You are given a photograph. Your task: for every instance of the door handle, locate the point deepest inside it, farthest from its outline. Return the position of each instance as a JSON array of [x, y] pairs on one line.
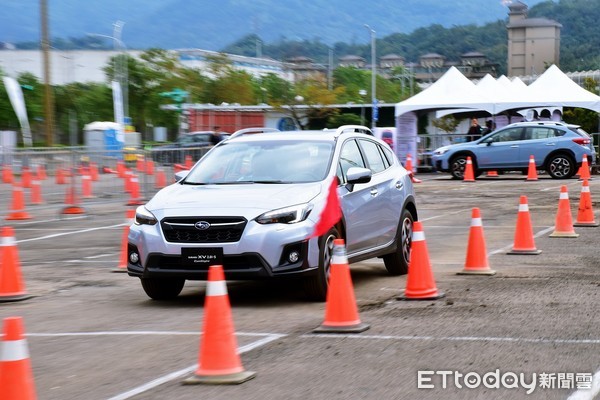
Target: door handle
[[374, 192], [399, 185], [514, 146]]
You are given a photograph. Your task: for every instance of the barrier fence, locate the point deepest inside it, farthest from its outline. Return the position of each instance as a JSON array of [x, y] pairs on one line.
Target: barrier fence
[[47, 175]]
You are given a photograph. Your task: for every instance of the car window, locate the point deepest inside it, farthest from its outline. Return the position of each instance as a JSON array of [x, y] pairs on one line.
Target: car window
[[373, 156], [350, 156], [541, 132], [272, 161], [388, 154], [506, 135]]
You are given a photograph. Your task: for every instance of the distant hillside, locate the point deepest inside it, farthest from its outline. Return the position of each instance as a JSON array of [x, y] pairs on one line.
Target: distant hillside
[[214, 24]]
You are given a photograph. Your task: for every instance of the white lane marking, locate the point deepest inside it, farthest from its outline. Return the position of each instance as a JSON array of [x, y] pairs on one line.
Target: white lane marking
[[148, 333], [446, 214], [70, 233], [588, 394], [510, 246], [457, 338], [177, 374]]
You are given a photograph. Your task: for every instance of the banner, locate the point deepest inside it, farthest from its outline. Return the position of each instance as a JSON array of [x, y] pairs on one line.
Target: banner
[[118, 107], [15, 94]]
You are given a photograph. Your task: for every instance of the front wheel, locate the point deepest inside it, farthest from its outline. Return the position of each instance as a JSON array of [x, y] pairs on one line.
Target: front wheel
[[458, 165], [163, 288], [560, 166], [396, 263], [316, 286]]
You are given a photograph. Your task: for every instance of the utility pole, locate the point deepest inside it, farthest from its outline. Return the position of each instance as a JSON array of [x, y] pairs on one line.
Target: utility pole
[[48, 98], [374, 110]]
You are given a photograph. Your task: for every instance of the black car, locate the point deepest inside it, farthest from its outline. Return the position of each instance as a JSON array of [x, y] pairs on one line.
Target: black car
[[194, 144]]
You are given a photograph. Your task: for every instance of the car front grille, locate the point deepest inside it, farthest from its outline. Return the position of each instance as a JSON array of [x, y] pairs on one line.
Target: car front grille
[[218, 230]]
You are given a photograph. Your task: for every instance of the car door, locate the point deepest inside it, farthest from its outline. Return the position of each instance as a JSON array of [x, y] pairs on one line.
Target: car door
[[385, 191], [539, 141], [360, 211], [500, 150]]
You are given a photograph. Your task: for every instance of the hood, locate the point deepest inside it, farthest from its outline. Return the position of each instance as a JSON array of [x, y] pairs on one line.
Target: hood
[[248, 200]]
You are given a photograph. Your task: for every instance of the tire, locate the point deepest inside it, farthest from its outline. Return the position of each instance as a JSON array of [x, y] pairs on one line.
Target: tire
[[162, 289], [396, 263], [458, 165], [561, 166], [316, 286]]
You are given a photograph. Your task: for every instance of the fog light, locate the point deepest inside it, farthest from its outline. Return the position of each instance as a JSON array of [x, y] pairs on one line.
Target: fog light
[[134, 258], [293, 257]]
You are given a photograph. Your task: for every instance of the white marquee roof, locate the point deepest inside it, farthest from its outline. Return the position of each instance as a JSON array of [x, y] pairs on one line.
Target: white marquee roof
[[454, 91]]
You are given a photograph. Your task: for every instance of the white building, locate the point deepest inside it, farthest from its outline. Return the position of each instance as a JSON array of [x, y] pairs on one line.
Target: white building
[[68, 66]]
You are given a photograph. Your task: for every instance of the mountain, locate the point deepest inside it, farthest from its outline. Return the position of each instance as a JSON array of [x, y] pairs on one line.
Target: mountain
[[212, 25]]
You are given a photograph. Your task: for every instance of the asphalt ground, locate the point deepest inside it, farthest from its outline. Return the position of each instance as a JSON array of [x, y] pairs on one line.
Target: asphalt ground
[[94, 334]]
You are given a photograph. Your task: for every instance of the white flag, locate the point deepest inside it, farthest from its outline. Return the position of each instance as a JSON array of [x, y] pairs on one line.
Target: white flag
[[118, 107], [15, 94]]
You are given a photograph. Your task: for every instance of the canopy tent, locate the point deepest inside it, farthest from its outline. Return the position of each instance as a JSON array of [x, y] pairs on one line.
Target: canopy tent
[[454, 91]]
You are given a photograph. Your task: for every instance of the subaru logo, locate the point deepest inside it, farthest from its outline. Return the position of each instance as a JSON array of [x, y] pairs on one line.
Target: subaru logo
[[202, 225]]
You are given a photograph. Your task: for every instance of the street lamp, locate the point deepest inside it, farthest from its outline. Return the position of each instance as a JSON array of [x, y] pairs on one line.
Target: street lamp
[[362, 93], [373, 72], [121, 70]]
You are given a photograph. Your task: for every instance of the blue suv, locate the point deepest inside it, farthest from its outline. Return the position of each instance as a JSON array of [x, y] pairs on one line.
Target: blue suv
[[558, 148]]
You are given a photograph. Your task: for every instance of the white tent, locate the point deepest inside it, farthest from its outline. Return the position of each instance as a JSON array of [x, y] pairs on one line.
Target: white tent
[[452, 90]]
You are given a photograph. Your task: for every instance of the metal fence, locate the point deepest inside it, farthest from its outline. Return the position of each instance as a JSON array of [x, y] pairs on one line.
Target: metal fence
[[92, 175]]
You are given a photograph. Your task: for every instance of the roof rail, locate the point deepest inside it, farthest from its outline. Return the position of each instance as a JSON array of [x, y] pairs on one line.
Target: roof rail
[[353, 128], [251, 130]]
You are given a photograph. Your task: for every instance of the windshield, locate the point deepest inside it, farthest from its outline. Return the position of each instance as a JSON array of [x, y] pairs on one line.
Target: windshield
[[263, 162]]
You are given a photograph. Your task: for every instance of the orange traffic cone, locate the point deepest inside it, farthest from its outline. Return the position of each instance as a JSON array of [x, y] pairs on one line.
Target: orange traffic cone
[[121, 169], [16, 375], [420, 284], [18, 204], [160, 180], [60, 176], [341, 312], [563, 226], [188, 162], [477, 258], [492, 174], [149, 167], [584, 170], [41, 172], [140, 164], [218, 361], [12, 287], [127, 175], [71, 202], [129, 218], [86, 187], [524, 242], [26, 177], [94, 172], [469, 175], [36, 192], [532, 170], [409, 166], [134, 194], [585, 213], [7, 174]]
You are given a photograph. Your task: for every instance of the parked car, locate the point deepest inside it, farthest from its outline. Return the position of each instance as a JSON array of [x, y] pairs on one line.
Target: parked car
[[252, 202], [194, 144], [558, 148]]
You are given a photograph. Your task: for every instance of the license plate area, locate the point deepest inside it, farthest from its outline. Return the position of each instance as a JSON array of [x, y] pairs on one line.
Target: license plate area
[[201, 257]]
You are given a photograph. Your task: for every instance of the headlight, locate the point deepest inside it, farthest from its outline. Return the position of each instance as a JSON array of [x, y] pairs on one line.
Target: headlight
[[144, 217], [441, 150], [287, 215]]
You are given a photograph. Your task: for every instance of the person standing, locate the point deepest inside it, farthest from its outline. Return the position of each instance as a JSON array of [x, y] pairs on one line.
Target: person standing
[[474, 131]]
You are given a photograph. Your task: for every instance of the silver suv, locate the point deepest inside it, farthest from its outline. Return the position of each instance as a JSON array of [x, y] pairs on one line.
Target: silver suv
[[252, 202]]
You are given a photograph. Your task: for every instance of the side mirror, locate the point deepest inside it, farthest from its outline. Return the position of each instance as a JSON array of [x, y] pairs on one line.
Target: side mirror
[[357, 175], [181, 174]]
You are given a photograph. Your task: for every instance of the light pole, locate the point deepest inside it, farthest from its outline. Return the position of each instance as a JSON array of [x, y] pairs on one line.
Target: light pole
[[373, 72], [121, 70], [362, 93]]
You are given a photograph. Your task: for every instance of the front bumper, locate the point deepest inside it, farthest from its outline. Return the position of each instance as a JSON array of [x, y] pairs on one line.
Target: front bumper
[[262, 252]]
